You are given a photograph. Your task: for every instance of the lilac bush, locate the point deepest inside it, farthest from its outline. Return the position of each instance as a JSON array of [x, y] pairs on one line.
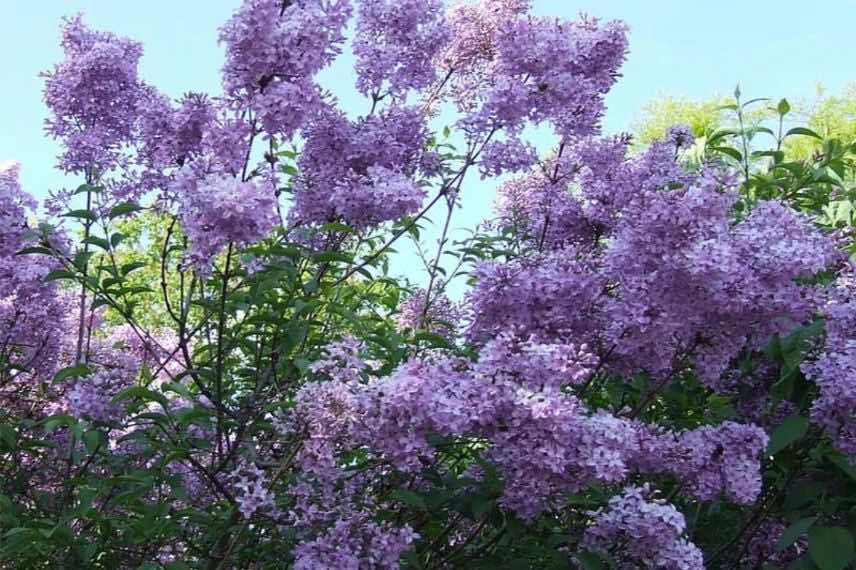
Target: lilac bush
[[206, 361]]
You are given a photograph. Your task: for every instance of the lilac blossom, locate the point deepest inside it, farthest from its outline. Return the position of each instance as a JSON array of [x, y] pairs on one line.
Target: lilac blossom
[[274, 49], [722, 459], [361, 173], [93, 97], [220, 209], [92, 396], [355, 543], [252, 492], [835, 370], [441, 315], [510, 155], [395, 44], [558, 75], [645, 530]]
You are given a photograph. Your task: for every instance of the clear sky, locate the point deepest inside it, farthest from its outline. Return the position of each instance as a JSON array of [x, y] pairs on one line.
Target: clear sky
[[695, 48]]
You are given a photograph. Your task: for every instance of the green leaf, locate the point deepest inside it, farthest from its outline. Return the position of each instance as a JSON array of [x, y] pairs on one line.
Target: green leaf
[[590, 560], [830, 547], [803, 131], [82, 214], [54, 422], [129, 267], [138, 392], [755, 100], [794, 532], [433, 339], [776, 155], [721, 133], [844, 464], [81, 259], [409, 498], [84, 188], [59, 274], [116, 239], [727, 150], [330, 256], [124, 209], [792, 429], [35, 250], [98, 242], [75, 371], [8, 436], [93, 439]]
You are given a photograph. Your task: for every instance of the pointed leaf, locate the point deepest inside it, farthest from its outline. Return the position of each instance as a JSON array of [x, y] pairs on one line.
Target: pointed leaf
[[124, 209], [792, 429], [831, 548], [794, 532], [803, 131]]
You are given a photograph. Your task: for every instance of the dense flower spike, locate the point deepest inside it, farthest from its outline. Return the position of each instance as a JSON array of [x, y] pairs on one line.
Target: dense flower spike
[[722, 459], [250, 483], [32, 311], [355, 544], [361, 173], [558, 75], [510, 155], [542, 212], [170, 135], [93, 96], [91, 397], [646, 532], [710, 287], [396, 42], [437, 314], [14, 204], [549, 295], [220, 209], [274, 49], [764, 547], [835, 370]]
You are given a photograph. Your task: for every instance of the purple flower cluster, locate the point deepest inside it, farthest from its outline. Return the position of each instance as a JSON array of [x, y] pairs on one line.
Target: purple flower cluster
[[252, 489], [274, 49], [442, 315], [361, 172], [550, 295], [536, 364], [649, 263], [93, 96], [685, 273], [643, 532], [355, 543], [509, 155], [558, 75], [544, 441], [763, 546], [396, 42], [542, 212], [32, 311], [14, 205], [220, 209], [92, 396], [835, 370], [170, 136], [721, 460]]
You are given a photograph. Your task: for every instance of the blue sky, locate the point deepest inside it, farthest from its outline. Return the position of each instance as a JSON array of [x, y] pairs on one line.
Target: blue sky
[[694, 48]]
